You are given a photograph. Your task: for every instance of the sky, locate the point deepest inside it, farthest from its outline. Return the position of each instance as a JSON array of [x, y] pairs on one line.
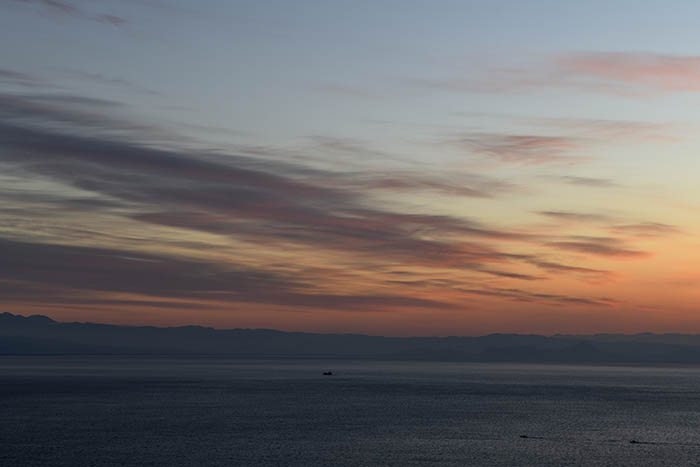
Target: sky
[[403, 168]]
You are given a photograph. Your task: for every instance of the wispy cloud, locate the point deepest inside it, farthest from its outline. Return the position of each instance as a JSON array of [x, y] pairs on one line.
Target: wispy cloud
[[70, 112], [520, 295], [522, 148], [607, 247], [568, 216], [102, 79], [243, 197], [646, 229], [349, 91], [35, 272], [69, 9], [587, 181], [617, 131], [55, 5], [16, 78], [558, 268], [623, 74], [560, 141], [642, 71], [110, 19], [461, 185], [514, 275], [301, 228]]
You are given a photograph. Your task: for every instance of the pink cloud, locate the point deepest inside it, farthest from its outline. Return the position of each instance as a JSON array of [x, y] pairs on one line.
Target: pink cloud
[[656, 72], [625, 74]]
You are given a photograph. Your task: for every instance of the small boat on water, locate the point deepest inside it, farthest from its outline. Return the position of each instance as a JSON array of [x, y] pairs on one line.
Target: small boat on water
[[327, 373]]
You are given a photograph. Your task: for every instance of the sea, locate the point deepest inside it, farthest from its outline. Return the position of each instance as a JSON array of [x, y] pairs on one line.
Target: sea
[[213, 411]]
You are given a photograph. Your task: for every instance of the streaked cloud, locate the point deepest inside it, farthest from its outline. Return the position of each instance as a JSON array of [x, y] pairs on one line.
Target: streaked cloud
[[349, 91], [110, 81], [521, 148], [520, 295], [563, 268], [622, 74], [16, 78], [111, 19], [587, 181], [64, 8], [642, 71], [34, 271], [607, 247], [461, 185], [646, 229], [242, 197], [569, 216], [305, 229]]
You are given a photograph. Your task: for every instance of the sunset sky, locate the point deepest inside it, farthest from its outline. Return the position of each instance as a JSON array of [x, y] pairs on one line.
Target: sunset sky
[[381, 167]]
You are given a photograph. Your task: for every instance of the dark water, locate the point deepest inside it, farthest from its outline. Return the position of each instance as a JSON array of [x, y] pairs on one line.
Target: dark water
[[97, 411]]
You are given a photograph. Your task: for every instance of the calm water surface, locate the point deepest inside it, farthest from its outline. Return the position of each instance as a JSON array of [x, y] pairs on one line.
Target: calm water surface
[[114, 411]]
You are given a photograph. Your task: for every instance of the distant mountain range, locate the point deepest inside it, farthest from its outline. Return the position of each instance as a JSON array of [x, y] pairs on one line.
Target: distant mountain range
[[40, 335]]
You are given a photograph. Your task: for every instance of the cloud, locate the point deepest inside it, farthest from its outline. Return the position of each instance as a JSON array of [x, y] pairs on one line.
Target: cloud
[[104, 269], [623, 74], [359, 153], [373, 235], [575, 216], [349, 91], [65, 273], [514, 275], [646, 229], [114, 82], [587, 181], [55, 5], [66, 100], [520, 295], [600, 247], [16, 78], [462, 185], [648, 72], [355, 148], [110, 19], [606, 130], [243, 198], [68, 9], [523, 149], [77, 113], [567, 142], [559, 268], [530, 77], [286, 234]]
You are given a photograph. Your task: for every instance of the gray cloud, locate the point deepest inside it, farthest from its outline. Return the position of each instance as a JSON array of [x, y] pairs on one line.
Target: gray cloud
[[240, 196], [519, 295], [513, 275], [462, 185], [102, 79], [16, 78], [110, 19], [35, 271], [69, 9], [258, 200], [600, 247], [559, 268]]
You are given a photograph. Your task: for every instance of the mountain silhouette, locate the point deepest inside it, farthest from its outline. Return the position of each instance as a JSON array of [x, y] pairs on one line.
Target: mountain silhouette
[[41, 335]]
